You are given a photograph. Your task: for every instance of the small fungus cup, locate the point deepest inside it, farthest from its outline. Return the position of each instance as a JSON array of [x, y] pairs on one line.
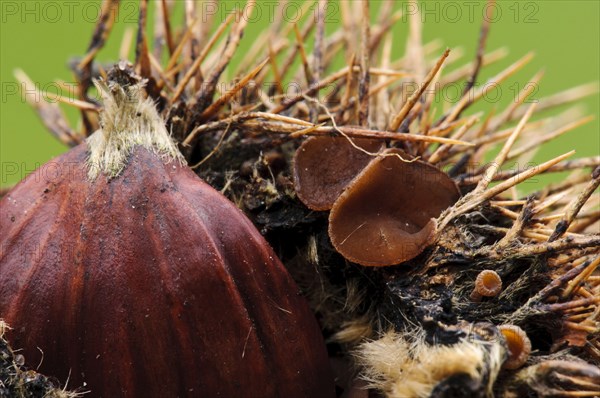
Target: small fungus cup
[[519, 346], [487, 284]]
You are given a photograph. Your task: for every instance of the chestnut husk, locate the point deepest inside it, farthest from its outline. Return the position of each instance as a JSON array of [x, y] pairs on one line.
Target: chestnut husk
[[150, 283]]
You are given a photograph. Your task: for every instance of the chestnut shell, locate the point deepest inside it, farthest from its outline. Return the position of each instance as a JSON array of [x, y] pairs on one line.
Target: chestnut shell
[[151, 284]]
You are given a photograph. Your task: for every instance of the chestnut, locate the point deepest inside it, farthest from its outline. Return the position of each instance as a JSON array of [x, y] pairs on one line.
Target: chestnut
[[123, 272]]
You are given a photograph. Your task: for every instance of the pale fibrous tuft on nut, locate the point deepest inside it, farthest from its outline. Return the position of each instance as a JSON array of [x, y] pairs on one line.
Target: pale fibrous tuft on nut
[[127, 120]]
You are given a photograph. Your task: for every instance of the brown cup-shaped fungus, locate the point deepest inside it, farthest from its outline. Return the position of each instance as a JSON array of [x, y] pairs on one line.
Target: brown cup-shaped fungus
[[487, 284], [324, 166], [519, 346], [386, 215]]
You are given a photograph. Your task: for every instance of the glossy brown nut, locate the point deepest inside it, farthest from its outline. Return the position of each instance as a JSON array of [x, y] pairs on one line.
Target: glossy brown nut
[[519, 346], [324, 166], [151, 284], [386, 215]]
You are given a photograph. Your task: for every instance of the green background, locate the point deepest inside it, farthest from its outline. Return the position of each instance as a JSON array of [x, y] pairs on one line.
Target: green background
[[39, 37]]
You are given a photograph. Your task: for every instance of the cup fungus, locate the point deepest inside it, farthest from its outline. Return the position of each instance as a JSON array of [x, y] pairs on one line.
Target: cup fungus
[[135, 278], [519, 346], [487, 284], [386, 215], [324, 166]]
